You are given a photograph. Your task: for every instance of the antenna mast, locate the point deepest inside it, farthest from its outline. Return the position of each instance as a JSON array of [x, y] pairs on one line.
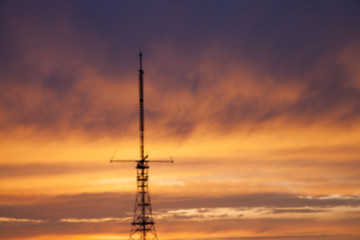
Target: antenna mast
[[141, 107], [142, 226]]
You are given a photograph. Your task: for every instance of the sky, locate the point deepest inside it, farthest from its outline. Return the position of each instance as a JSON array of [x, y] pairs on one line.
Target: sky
[[257, 102]]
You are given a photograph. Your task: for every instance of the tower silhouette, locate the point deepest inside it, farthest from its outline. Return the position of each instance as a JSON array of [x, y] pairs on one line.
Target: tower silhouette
[[143, 225]]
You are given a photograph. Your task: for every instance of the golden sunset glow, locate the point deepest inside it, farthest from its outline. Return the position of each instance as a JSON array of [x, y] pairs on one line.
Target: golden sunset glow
[[258, 103]]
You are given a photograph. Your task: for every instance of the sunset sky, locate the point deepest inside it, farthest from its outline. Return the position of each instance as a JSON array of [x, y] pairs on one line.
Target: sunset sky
[[258, 103]]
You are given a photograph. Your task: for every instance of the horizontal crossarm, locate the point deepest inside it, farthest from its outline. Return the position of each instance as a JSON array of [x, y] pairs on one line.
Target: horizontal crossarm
[[149, 161], [124, 161]]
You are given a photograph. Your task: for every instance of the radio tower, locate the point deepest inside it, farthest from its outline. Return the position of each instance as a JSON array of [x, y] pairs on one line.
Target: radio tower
[[143, 225]]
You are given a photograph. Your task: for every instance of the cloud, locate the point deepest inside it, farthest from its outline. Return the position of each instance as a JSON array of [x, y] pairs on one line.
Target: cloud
[[104, 212], [114, 205], [41, 169], [22, 220], [297, 210], [94, 220], [283, 200], [81, 206], [255, 51], [261, 99]]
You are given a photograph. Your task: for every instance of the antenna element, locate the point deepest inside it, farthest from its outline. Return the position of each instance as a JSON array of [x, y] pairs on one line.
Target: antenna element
[[142, 226]]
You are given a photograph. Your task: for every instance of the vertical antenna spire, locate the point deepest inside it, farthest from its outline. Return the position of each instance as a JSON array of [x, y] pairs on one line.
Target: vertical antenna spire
[[141, 108], [140, 55], [143, 225]]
